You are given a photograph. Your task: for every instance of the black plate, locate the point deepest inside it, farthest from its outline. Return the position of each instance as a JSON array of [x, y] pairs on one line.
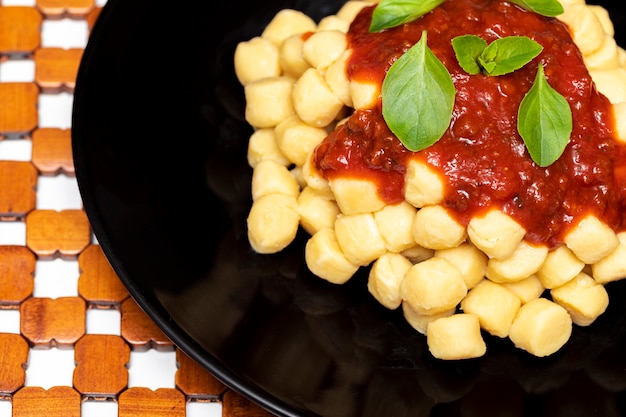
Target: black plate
[[159, 147]]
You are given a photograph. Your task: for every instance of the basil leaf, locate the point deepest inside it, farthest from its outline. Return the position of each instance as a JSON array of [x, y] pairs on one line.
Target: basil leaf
[[543, 7], [502, 56], [467, 49], [544, 121], [418, 97], [508, 54], [392, 13]]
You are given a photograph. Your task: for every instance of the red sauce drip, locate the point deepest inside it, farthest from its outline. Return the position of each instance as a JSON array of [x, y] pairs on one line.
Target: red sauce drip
[[481, 157]]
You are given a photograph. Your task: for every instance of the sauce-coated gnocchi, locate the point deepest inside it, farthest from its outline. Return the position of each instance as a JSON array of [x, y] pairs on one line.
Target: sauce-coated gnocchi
[[452, 280]]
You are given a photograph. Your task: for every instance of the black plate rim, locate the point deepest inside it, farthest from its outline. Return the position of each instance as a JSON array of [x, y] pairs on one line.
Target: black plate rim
[[156, 313]]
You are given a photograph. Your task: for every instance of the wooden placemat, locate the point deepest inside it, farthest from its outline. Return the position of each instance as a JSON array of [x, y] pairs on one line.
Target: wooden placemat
[[100, 371]]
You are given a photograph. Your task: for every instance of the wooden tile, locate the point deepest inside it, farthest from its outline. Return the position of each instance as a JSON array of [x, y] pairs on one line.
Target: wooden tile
[[52, 151], [17, 266], [20, 29], [50, 233], [143, 402], [18, 181], [58, 8], [56, 68], [55, 402], [98, 283], [140, 331], [195, 381], [234, 405], [92, 16], [47, 322], [13, 358], [18, 115], [101, 362]]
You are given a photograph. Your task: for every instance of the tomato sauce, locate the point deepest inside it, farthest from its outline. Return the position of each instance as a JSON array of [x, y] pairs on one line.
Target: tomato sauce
[[481, 157]]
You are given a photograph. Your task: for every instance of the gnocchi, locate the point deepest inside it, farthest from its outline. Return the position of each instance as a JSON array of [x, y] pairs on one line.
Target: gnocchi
[[451, 277]]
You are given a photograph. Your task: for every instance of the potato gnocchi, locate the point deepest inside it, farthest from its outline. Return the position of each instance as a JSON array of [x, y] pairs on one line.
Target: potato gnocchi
[[452, 281]]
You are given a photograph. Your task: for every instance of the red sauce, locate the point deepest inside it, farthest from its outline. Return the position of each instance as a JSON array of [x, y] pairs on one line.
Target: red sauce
[[481, 157]]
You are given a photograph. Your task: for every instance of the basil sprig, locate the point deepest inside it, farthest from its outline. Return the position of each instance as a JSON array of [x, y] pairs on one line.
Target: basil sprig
[[392, 13], [500, 57], [418, 97], [544, 121], [418, 92]]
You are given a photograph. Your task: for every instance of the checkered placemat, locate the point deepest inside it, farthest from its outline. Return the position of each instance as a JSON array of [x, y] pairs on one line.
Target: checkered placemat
[[72, 340]]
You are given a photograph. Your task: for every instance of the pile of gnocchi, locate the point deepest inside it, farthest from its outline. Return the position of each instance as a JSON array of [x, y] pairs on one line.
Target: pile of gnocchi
[[452, 282]]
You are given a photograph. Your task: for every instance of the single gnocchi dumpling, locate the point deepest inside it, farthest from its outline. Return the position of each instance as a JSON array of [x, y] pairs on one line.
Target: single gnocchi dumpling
[[455, 337], [591, 240], [422, 184], [256, 59], [394, 223], [613, 266], [316, 210], [326, 260], [288, 22], [433, 286], [560, 266], [314, 100], [525, 261], [297, 139], [494, 305], [273, 222], [385, 278], [583, 298], [434, 228], [495, 233], [337, 79], [324, 47], [364, 94], [541, 327], [356, 195], [268, 101], [270, 177], [262, 146], [359, 238], [290, 56]]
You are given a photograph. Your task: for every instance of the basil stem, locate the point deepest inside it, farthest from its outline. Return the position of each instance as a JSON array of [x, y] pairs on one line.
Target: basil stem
[[418, 97], [544, 121]]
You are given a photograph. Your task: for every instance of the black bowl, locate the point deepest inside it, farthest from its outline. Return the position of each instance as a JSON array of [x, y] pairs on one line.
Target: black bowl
[[159, 145]]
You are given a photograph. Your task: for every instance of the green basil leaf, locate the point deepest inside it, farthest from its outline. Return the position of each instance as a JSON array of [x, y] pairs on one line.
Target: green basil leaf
[[467, 49], [508, 54], [418, 97], [543, 7], [544, 121], [392, 13]]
